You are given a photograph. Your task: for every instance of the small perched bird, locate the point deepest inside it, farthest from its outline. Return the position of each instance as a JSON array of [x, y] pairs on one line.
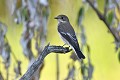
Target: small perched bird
[[68, 34]]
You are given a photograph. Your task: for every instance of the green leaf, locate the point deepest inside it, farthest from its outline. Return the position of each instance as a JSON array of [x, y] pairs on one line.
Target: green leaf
[[110, 17], [25, 13], [107, 3], [80, 16], [88, 48]]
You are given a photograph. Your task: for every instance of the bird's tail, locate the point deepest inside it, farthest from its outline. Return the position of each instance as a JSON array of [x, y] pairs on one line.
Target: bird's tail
[[79, 53]]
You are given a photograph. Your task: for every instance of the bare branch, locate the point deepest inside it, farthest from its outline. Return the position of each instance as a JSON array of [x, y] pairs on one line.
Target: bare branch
[[48, 49], [102, 17]]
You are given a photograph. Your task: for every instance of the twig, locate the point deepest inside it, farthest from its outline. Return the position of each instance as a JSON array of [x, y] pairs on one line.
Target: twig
[[57, 65], [1, 77], [7, 74], [102, 17], [48, 49]]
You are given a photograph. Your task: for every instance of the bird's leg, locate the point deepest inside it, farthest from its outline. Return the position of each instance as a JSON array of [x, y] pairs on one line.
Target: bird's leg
[[64, 45], [69, 46]]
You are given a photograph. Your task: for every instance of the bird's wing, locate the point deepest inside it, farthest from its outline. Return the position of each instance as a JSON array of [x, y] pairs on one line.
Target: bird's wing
[[70, 38], [68, 33], [73, 42]]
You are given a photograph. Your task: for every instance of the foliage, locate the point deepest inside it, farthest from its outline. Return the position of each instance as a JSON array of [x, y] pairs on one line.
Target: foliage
[[33, 15], [110, 17]]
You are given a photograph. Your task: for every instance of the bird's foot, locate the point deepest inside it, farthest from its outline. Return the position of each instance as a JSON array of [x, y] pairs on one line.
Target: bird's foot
[[69, 46], [64, 45]]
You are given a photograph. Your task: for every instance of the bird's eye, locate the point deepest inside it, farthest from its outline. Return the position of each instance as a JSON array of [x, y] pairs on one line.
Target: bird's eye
[[61, 17]]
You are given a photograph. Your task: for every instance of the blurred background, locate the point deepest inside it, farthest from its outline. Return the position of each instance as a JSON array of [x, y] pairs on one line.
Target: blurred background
[[27, 26]]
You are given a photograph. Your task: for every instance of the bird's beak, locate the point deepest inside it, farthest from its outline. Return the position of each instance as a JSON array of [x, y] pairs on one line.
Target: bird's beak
[[55, 17]]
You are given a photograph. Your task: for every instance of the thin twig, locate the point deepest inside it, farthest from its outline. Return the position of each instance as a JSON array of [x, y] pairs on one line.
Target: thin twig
[[7, 74], [48, 49], [102, 17], [57, 65]]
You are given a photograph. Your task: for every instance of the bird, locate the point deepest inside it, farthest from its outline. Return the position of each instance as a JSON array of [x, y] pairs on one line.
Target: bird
[[68, 35]]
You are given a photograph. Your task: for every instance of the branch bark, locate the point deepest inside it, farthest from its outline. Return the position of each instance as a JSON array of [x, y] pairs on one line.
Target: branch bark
[[48, 49], [102, 17]]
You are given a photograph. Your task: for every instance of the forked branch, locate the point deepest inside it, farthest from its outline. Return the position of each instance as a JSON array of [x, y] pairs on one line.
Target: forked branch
[[48, 49], [102, 17]]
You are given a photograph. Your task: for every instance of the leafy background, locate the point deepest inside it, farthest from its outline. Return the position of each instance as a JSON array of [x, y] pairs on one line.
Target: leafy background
[[102, 49]]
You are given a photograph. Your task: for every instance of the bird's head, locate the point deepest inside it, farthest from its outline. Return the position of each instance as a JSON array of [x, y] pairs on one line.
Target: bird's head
[[62, 18]]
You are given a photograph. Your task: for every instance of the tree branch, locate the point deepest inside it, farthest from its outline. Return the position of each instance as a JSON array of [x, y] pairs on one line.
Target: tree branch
[[48, 49], [102, 17]]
